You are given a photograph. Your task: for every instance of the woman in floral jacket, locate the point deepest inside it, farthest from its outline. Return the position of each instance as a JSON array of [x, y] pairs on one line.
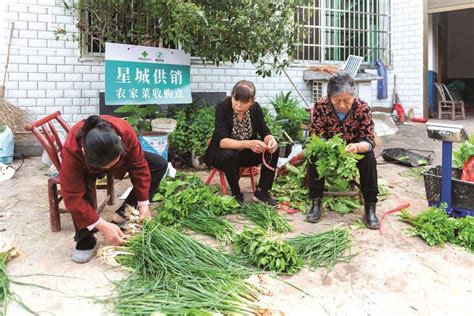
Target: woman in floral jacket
[[341, 112]]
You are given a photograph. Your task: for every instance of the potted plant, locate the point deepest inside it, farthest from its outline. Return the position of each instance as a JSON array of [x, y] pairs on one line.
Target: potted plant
[[140, 118], [192, 133], [288, 108], [276, 129], [200, 132]]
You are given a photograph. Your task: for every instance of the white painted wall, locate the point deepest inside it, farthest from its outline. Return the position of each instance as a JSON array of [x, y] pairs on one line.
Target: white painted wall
[[433, 42], [46, 75], [407, 45]]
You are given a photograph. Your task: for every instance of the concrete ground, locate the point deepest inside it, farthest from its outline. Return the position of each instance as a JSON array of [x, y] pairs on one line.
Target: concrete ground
[[393, 274]]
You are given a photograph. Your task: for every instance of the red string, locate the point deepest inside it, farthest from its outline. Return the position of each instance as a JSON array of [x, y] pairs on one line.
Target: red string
[[265, 163], [397, 209]]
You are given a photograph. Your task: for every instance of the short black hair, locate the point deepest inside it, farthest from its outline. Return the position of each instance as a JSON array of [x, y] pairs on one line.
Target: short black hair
[[244, 91], [101, 142]]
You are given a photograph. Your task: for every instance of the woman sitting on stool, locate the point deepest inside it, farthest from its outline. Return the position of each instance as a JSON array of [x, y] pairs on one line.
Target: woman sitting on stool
[[341, 112], [240, 138]]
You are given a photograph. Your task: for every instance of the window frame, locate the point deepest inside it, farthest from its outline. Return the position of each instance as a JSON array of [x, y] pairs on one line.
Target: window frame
[[384, 23]]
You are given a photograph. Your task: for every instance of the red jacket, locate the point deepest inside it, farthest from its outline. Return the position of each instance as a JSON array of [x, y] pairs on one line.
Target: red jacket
[[74, 170]]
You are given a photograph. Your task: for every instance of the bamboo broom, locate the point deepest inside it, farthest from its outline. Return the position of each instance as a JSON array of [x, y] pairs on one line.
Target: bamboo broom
[[10, 115]]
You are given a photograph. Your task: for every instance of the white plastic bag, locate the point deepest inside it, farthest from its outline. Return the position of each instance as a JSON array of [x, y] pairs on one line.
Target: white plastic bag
[[6, 145], [295, 150], [6, 172]]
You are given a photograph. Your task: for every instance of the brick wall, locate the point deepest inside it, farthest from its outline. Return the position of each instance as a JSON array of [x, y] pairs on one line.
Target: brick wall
[[46, 74], [407, 44]]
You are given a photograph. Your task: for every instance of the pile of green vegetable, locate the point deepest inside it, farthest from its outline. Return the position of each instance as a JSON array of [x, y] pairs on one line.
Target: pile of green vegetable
[[272, 255], [436, 227], [7, 253], [338, 167], [266, 217], [341, 204], [210, 225], [291, 189], [323, 249], [5, 293], [332, 162], [187, 194], [176, 275]]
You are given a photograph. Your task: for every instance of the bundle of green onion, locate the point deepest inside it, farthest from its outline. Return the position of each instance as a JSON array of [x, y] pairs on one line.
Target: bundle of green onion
[[210, 225], [323, 249], [7, 252], [174, 274], [266, 217]]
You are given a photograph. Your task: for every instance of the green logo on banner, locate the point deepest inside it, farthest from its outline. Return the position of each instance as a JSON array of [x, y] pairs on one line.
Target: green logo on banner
[[144, 54], [160, 55]]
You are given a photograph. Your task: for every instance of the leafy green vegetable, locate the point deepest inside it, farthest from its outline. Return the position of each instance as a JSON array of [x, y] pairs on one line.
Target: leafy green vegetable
[[187, 194], [464, 152], [323, 249], [266, 217], [290, 188], [436, 227], [464, 232], [383, 188], [332, 161], [433, 225], [341, 204], [273, 255]]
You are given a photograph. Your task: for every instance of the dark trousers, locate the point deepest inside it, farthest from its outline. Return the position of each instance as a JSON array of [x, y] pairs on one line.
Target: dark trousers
[[157, 165], [368, 178], [230, 160]]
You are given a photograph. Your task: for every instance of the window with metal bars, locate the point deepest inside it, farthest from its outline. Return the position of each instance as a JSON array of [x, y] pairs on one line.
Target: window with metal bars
[[334, 29]]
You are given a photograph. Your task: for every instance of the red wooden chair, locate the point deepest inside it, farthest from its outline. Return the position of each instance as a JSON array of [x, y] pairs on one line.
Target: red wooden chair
[[244, 171], [48, 136]]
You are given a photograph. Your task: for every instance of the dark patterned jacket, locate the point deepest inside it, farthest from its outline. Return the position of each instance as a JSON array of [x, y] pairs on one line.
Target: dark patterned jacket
[[223, 127], [358, 125]]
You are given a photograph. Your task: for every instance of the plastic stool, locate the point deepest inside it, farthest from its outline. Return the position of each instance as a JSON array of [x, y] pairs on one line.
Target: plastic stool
[[244, 171]]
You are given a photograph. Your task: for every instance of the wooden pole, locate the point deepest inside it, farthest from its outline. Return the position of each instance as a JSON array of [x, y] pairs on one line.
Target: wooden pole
[[7, 60]]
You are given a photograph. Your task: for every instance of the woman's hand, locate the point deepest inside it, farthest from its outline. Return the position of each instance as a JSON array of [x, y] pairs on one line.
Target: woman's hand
[[257, 146], [112, 233], [144, 212], [272, 145], [352, 148]]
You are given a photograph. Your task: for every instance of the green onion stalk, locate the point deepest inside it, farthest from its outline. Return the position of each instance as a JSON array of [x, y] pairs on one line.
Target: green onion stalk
[[174, 274], [266, 217], [323, 249]]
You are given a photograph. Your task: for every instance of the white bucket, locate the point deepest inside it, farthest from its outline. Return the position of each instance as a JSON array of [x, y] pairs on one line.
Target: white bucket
[[165, 125]]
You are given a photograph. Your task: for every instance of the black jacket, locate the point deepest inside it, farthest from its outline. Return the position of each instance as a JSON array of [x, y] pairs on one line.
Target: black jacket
[[223, 126]]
